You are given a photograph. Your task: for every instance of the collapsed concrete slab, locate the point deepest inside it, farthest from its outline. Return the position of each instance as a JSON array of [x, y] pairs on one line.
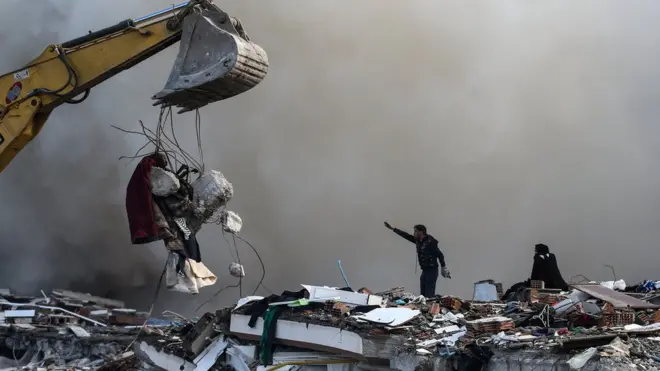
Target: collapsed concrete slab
[[321, 338]]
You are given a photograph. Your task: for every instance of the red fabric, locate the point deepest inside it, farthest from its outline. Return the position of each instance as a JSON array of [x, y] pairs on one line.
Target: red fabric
[[139, 206]]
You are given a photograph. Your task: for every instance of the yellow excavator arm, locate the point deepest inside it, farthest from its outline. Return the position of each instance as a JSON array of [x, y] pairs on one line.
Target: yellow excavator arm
[[216, 61]]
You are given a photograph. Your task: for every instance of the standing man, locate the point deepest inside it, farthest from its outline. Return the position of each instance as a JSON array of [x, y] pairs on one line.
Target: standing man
[[428, 256]]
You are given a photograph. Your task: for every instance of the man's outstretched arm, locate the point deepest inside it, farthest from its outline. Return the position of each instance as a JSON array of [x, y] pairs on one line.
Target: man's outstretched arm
[[401, 233]]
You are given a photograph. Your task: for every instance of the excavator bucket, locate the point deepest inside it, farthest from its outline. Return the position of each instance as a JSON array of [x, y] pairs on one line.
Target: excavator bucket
[[216, 61]]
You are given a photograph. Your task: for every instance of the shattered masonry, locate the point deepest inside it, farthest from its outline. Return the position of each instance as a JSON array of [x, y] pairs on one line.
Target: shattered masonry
[[341, 329]]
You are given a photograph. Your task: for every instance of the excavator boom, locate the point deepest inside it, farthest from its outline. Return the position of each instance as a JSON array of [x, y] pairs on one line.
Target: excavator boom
[[216, 61]]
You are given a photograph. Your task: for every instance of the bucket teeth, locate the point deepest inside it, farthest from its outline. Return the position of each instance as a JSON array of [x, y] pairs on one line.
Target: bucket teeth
[[213, 64]]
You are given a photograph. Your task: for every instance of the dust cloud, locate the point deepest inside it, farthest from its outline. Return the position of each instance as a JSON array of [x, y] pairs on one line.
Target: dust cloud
[[497, 126]]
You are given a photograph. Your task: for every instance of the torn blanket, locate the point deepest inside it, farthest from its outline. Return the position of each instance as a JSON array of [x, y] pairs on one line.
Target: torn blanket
[[141, 218]]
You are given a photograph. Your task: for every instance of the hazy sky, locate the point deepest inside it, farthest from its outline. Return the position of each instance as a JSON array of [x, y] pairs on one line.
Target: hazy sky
[[498, 125]]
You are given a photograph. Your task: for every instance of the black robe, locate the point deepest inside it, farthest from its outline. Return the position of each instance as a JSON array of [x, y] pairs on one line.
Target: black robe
[[545, 269]]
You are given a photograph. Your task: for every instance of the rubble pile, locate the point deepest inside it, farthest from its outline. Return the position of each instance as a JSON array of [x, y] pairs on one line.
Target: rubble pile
[[73, 331], [590, 327]]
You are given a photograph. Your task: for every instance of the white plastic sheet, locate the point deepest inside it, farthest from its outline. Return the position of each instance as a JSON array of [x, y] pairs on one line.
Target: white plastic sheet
[[619, 285]]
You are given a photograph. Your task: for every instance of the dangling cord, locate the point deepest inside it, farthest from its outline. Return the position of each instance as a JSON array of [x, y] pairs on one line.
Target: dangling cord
[[198, 131]]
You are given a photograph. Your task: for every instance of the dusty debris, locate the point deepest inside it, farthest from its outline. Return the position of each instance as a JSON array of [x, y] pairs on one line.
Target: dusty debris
[[326, 325], [73, 331], [449, 328]]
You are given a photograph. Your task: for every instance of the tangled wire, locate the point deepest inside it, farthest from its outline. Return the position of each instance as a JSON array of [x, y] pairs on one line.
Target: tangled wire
[[164, 140]]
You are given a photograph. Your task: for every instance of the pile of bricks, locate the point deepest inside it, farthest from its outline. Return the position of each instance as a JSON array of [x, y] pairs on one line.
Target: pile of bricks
[[451, 302], [617, 319], [550, 299], [491, 325]]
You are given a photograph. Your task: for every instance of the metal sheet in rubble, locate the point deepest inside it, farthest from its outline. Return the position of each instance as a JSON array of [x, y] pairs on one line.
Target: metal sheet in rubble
[[617, 299]]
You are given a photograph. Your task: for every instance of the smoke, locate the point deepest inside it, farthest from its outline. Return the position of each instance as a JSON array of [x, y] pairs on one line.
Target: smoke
[[498, 129]]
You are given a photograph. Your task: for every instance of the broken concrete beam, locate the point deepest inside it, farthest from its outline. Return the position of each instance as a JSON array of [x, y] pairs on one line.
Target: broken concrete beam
[[87, 298], [197, 338], [208, 357]]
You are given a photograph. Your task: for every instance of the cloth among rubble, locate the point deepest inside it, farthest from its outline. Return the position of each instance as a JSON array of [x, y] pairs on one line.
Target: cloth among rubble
[[187, 275], [159, 205], [271, 313], [516, 292], [644, 287], [265, 347], [177, 210], [259, 308], [546, 269], [139, 206]]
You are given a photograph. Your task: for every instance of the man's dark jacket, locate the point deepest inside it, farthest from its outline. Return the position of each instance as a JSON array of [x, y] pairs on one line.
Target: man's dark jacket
[[428, 253]]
